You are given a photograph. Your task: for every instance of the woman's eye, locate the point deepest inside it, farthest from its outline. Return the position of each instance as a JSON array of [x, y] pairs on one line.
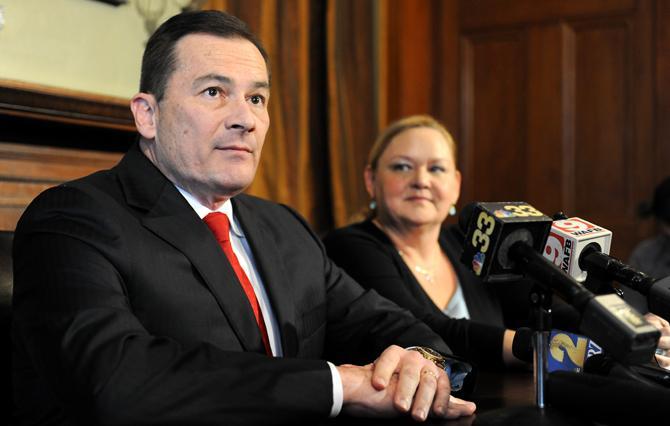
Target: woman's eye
[[437, 169], [400, 167]]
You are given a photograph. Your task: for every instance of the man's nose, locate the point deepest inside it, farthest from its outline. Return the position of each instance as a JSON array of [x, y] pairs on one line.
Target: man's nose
[[240, 117]]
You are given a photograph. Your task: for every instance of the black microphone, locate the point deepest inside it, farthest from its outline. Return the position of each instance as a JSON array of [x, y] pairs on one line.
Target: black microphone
[[522, 344], [605, 366], [596, 262], [490, 230], [581, 249], [504, 241], [607, 399]]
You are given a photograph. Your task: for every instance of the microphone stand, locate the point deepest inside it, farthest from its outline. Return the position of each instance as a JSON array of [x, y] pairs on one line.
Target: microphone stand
[[540, 300]]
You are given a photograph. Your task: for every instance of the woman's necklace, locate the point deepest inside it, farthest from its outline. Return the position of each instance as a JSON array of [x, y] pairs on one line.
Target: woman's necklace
[[427, 273]]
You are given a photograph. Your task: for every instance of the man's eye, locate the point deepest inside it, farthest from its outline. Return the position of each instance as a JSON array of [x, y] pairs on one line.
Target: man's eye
[[257, 100], [212, 91]]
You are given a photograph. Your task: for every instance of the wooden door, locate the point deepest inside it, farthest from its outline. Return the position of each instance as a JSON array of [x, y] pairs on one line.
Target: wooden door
[[557, 108]]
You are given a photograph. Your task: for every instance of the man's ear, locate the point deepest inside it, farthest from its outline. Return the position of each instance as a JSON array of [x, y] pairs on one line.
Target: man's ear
[[369, 176], [145, 110]]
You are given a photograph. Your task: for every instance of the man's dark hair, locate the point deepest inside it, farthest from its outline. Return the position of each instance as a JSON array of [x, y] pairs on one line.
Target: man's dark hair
[[160, 58]]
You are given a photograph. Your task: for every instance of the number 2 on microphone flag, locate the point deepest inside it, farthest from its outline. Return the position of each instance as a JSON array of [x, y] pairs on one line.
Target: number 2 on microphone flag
[[569, 351]]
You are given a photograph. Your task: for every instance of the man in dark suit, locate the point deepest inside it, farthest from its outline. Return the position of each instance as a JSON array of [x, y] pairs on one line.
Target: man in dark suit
[[127, 310]]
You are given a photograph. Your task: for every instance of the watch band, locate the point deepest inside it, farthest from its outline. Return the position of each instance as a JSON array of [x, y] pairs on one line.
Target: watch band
[[430, 355]]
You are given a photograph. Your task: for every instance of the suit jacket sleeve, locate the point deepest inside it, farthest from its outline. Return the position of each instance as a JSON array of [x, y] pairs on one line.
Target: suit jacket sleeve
[[361, 323]]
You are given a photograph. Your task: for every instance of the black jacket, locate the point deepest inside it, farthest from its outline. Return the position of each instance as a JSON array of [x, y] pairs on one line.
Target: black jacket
[[368, 255], [126, 311]]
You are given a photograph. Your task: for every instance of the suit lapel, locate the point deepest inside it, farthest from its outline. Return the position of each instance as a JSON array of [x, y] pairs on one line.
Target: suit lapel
[[171, 218], [270, 266]]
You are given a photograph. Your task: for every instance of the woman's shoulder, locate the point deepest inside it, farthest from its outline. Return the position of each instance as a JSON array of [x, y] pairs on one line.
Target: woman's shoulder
[[451, 239], [360, 244], [356, 232]]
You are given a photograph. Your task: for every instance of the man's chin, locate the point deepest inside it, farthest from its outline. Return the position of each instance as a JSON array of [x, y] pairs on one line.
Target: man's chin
[[229, 189]]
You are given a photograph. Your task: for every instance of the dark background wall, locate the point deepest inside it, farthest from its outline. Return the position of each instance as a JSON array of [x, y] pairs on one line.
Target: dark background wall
[[560, 103]]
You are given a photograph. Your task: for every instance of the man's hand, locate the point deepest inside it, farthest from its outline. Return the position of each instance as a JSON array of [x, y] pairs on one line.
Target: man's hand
[[664, 342], [398, 382]]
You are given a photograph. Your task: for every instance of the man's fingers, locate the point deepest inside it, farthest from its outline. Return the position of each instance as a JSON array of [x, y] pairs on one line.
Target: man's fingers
[[663, 361], [409, 377], [658, 322], [458, 408], [423, 398], [385, 366], [419, 387], [442, 396]]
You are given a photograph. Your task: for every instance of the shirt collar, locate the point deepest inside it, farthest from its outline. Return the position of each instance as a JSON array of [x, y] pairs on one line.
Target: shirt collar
[[202, 211]]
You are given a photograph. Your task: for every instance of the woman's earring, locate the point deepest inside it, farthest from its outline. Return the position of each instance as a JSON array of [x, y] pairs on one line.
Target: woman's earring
[[452, 210], [372, 205]]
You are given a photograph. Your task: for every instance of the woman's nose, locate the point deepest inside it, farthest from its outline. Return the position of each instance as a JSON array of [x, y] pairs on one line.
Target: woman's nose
[[421, 178]]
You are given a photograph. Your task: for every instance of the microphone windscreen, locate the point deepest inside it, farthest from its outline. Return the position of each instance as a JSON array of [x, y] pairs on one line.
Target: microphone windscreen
[[522, 345]]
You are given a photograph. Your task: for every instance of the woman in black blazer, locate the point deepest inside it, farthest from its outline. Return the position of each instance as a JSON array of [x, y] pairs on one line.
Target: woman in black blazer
[[403, 251]]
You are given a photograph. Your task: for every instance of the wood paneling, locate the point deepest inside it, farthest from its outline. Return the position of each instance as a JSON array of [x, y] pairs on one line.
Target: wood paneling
[[25, 171], [411, 59], [446, 70], [494, 148], [602, 119], [549, 122], [481, 14], [557, 107], [562, 103], [661, 165], [67, 106]]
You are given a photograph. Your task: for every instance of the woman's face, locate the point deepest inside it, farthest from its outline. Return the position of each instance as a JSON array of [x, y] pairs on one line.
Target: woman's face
[[416, 181]]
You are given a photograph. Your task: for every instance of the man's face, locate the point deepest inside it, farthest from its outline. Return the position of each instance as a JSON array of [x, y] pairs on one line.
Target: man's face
[[211, 123]]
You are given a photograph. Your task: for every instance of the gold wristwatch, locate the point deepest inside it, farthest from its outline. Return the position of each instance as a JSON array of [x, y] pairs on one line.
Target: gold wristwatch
[[430, 355]]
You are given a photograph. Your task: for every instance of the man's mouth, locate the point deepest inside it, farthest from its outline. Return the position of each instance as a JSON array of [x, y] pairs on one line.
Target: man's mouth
[[240, 148]]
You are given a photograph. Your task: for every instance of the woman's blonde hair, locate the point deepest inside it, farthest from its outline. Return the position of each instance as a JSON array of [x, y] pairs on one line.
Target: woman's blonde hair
[[399, 126]]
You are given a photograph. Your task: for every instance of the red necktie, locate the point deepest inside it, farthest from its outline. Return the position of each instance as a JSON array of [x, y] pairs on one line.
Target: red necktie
[[220, 226]]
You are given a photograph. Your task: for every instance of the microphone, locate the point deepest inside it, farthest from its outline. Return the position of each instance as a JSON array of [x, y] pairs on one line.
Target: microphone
[[570, 352], [490, 230], [607, 399], [580, 249], [567, 240], [603, 365], [504, 241], [522, 344]]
